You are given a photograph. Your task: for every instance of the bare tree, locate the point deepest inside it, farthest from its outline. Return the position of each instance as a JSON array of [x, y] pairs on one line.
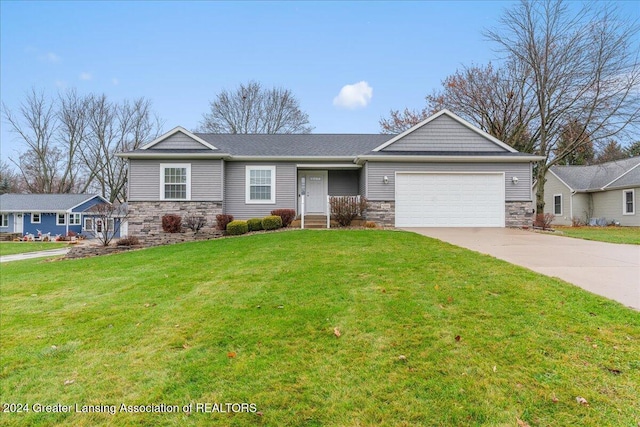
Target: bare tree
[[578, 66], [252, 109], [114, 128], [72, 118], [35, 124], [494, 99], [610, 152], [108, 219], [10, 180]]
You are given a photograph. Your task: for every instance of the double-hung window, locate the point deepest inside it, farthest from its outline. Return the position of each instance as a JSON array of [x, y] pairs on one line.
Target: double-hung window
[[75, 219], [260, 184], [4, 220], [557, 204], [628, 202], [175, 181], [61, 219], [35, 218]]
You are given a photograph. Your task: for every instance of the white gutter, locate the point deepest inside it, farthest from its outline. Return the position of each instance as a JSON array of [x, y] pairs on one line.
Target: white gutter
[[449, 158], [155, 155]]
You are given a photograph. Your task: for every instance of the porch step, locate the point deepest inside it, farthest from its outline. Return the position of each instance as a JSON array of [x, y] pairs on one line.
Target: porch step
[[311, 221]]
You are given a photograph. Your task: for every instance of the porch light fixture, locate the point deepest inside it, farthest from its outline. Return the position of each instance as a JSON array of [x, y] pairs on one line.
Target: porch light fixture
[[385, 179], [514, 179]]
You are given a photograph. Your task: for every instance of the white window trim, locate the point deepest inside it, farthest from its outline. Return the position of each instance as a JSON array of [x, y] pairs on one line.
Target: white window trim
[[4, 218], [76, 215], [58, 219], [247, 181], [554, 203], [39, 221], [624, 202], [164, 166]]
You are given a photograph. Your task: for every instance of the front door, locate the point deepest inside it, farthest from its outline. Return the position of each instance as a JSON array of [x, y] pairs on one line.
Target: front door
[[18, 223], [316, 192]]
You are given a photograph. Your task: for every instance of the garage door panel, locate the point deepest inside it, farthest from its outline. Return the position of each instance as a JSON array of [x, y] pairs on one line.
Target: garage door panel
[[449, 200]]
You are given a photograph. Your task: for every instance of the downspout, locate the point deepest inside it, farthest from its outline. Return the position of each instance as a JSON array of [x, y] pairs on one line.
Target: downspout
[[571, 206], [66, 222]]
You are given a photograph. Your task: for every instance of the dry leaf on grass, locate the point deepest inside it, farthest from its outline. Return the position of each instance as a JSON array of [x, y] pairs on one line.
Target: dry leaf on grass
[[458, 338], [69, 382], [336, 332], [231, 354], [582, 401], [522, 423]]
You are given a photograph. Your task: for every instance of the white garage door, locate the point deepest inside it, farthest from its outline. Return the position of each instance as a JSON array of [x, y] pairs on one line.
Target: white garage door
[[450, 200]]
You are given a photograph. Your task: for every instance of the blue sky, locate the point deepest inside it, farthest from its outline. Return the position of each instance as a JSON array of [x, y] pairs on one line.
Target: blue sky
[[180, 54]]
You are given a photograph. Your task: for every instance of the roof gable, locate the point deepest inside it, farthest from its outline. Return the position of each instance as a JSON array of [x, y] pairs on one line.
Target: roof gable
[[442, 132], [179, 138]]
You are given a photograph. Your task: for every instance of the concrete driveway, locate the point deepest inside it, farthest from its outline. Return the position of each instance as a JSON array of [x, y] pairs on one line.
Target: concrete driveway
[[607, 269], [30, 255]]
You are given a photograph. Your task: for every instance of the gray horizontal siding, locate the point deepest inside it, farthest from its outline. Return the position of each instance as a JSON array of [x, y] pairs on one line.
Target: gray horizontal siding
[[206, 179], [608, 204], [235, 175], [343, 183], [555, 186], [443, 134], [178, 141], [377, 190]]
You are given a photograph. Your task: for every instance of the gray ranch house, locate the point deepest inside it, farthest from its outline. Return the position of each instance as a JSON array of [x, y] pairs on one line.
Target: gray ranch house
[[602, 193], [443, 172]]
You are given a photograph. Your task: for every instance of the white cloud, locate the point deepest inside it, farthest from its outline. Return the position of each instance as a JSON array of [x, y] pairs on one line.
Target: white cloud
[[85, 76], [115, 81], [354, 96], [52, 57]]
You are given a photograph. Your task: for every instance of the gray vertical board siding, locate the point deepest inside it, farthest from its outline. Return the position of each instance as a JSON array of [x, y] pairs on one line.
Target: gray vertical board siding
[[206, 179], [343, 182], [444, 134], [178, 141], [235, 190], [376, 171]]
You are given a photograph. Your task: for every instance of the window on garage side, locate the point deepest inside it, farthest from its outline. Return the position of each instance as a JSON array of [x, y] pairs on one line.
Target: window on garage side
[[260, 184], [629, 202], [557, 204], [175, 181]]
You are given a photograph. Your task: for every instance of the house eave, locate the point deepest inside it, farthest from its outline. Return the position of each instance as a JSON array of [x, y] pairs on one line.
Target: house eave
[[152, 155], [291, 159], [453, 158]]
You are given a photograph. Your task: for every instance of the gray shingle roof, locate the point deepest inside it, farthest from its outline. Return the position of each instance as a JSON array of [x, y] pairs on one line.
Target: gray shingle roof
[[41, 202], [295, 145], [595, 177]]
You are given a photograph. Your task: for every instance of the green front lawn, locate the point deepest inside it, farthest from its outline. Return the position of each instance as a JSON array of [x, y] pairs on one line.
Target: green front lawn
[[430, 334], [629, 235], [11, 248]]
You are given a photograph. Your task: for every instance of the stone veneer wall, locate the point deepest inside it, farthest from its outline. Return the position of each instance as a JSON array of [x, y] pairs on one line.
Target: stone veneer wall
[[517, 214], [382, 213], [145, 218]]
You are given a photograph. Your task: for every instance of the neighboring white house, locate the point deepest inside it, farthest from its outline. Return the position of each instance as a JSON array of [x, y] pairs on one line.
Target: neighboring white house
[[606, 192]]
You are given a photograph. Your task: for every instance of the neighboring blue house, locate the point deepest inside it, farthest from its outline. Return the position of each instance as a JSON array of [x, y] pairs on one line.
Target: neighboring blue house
[[57, 214]]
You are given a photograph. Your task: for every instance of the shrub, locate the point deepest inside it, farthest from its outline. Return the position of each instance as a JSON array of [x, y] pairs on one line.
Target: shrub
[[255, 224], [287, 215], [271, 222], [222, 220], [577, 222], [235, 228], [345, 208], [171, 223], [128, 241], [544, 220], [195, 223], [370, 224]]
